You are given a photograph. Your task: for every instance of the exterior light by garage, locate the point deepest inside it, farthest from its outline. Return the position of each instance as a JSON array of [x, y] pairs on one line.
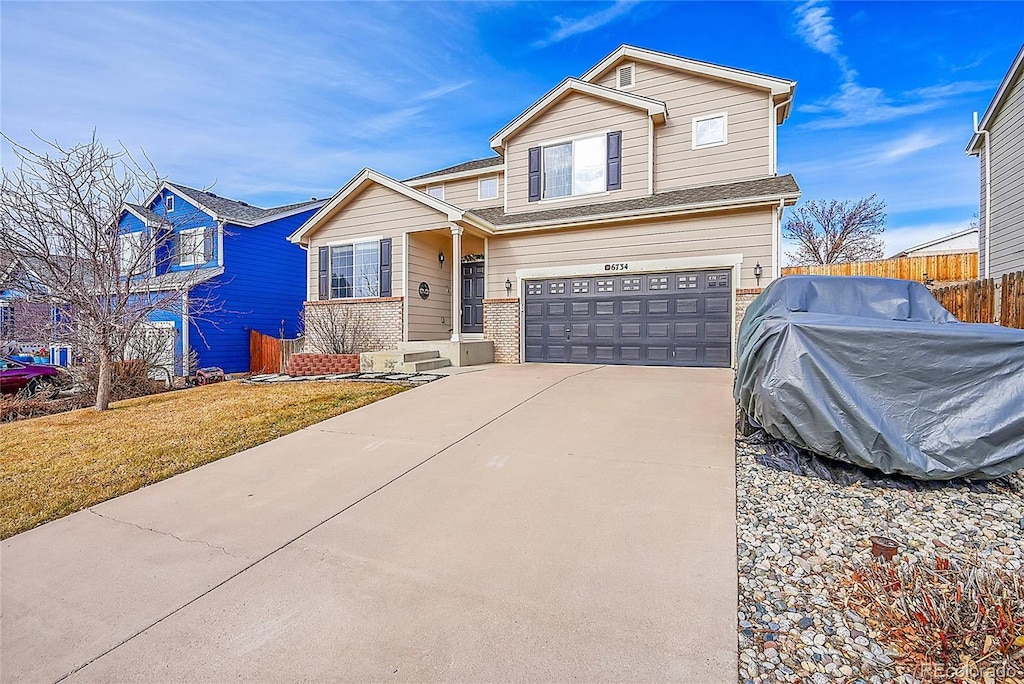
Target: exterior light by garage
[[758, 272], [508, 287]]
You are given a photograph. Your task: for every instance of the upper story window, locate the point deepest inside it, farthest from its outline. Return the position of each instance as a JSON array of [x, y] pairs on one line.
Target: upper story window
[[436, 191], [575, 168], [192, 247], [129, 252], [355, 270], [711, 130], [487, 188], [169, 203]]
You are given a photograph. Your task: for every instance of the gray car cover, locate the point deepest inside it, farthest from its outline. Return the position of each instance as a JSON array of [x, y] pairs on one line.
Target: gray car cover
[[874, 372]]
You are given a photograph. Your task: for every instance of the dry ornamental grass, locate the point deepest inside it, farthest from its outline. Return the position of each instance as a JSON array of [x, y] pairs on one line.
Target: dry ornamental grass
[[56, 465]]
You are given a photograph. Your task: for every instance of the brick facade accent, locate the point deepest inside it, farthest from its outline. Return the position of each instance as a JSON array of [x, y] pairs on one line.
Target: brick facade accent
[[322, 364], [743, 299], [501, 326], [376, 323]]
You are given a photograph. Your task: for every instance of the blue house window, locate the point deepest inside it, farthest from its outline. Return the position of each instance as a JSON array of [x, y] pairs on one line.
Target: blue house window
[[169, 203], [355, 270], [6, 321]]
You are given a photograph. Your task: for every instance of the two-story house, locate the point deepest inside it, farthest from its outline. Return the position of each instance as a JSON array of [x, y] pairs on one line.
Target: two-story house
[[229, 255], [998, 142], [620, 216]]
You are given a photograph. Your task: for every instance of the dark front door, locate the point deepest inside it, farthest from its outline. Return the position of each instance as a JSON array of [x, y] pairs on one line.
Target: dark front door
[[647, 319], [473, 297]]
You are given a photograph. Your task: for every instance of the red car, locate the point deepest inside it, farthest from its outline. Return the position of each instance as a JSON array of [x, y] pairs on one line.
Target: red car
[[31, 379]]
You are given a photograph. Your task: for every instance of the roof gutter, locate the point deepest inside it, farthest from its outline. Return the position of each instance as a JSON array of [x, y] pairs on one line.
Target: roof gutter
[[988, 193]]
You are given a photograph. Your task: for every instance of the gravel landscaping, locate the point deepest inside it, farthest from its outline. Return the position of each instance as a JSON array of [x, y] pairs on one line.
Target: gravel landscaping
[[799, 540]]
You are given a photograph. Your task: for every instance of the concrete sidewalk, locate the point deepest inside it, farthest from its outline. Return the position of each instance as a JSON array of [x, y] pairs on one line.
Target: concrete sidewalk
[[533, 522]]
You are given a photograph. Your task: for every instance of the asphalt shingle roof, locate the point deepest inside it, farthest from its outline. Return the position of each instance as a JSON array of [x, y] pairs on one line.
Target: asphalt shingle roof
[[465, 166], [762, 187], [148, 213], [233, 210]]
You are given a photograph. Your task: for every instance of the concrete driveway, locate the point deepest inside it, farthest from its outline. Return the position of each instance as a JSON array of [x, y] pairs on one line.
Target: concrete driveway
[[534, 522]]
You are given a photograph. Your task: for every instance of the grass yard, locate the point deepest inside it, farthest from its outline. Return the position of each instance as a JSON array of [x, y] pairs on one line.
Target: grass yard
[[56, 465]]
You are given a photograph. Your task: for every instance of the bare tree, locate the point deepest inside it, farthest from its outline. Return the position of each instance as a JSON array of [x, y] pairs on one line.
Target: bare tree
[[59, 213], [332, 329], [829, 232]]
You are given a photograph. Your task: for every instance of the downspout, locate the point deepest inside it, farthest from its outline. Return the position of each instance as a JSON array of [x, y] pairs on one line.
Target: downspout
[[988, 194], [777, 241], [185, 351]]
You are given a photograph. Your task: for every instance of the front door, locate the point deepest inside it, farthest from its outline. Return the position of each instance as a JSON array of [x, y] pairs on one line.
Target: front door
[[473, 297]]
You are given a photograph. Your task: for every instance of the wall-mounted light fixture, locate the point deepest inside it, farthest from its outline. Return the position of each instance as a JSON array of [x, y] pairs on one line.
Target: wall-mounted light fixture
[[508, 287], [440, 258], [758, 272]]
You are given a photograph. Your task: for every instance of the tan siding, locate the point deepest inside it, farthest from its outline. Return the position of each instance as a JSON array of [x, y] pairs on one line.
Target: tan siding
[[676, 164], [575, 116], [463, 192], [746, 232], [376, 211], [1007, 149], [430, 319]]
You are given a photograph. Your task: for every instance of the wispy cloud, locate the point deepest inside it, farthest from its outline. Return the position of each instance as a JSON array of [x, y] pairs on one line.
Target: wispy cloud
[[567, 28], [816, 27]]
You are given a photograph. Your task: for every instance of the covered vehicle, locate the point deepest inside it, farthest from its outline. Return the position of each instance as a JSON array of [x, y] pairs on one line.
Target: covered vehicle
[[874, 372]]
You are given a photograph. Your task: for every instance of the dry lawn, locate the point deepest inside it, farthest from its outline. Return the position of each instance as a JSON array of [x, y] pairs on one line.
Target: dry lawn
[[56, 465]]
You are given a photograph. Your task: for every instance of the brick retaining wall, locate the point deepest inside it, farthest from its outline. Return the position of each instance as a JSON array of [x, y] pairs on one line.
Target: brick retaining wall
[[322, 364]]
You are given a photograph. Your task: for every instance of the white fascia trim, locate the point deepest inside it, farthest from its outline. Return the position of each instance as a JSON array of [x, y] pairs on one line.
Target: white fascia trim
[[973, 148], [654, 108], [146, 221], [643, 266], [658, 212], [301, 236], [458, 175], [284, 214], [777, 86]]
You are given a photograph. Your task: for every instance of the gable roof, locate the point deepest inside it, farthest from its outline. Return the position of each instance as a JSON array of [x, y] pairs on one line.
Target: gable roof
[[781, 89], [761, 190], [654, 108], [465, 168], [938, 241], [145, 215], [236, 211], [1016, 70], [356, 185]]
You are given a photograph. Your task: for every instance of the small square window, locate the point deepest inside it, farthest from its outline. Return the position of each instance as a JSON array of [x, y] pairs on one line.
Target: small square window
[[606, 286], [658, 283], [488, 188], [630, 284], [557, 288], [709, 131], [169, 203], [436, 191]]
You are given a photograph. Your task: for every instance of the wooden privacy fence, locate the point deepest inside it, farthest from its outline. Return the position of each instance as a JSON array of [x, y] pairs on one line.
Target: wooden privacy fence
[[939, 267], [269, 354], [976, 301]]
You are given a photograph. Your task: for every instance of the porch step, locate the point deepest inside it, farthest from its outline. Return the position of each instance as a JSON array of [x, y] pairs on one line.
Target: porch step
[[402, 361], [414, 356], [426, 365]]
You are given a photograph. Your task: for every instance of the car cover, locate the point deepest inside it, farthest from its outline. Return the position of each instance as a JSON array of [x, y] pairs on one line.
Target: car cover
[[874, 372]]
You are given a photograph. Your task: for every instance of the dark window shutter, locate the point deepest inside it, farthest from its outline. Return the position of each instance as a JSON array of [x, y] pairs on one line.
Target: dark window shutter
[[385, 267], [209, 235], [534, 174], [323, 264], [173, 249], [615, 160]]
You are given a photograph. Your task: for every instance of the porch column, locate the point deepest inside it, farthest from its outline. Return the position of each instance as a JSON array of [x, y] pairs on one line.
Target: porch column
[[456, 282]]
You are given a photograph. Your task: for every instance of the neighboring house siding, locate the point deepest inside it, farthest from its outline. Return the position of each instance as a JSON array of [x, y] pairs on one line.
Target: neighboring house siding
[[430, 319], [262, 289], [676, 164], [746, 232], [575, 116], [376, 212], [463, 193], [130, 223], [1007, 150]]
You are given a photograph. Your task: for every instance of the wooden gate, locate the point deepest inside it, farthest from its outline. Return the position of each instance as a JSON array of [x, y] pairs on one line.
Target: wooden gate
[[1011, 308], [972, 302], [269, 354]]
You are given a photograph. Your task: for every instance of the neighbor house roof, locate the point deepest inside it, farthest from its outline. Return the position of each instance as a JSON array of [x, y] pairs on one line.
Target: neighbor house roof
[[236, 211], [463, 168], [656, 109], [146, 215], [938, 241], [781, 89], [762, 190], [1016, 70]]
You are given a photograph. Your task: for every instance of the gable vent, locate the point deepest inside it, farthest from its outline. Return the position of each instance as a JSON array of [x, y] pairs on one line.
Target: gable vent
[[626, 76]]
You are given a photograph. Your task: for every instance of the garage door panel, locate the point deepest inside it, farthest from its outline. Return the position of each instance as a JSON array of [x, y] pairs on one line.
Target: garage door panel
[[678, 319]]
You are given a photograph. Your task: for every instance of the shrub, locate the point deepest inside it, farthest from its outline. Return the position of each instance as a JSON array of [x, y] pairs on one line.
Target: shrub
[[13, 407], [128, 379]]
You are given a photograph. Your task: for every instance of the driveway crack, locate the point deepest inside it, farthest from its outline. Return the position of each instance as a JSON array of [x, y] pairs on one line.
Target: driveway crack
[[168, 534]]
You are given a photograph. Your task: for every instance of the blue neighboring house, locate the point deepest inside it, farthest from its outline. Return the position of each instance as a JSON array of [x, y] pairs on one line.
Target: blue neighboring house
[[245, 262]]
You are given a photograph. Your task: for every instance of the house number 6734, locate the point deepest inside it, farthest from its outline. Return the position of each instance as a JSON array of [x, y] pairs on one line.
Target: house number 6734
[[616, 267]]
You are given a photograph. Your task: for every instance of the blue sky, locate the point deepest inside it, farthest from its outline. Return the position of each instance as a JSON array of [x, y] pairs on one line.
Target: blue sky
[[275, 102]]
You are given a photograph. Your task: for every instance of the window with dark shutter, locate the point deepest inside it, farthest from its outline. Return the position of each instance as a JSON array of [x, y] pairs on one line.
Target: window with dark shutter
[[385, 267], [323, 260], [615, 160], [534, 169]]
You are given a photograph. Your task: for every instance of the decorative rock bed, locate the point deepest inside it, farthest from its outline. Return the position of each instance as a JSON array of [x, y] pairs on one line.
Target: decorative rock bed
[[798, 538], [409, 378]]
